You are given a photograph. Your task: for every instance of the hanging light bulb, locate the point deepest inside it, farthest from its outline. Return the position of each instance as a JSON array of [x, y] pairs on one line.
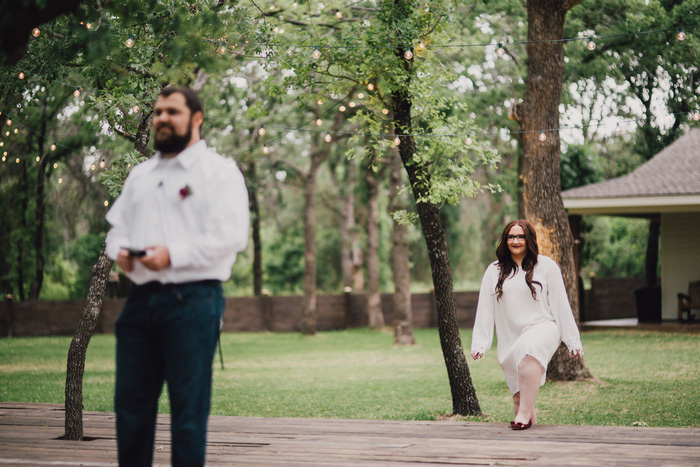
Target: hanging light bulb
[[319, 102], [618, 128], [106, 203], [681, 34], [319, 122], [408, 54], [130, 41], [327, 138], [222, 48], [2, 143], [76, 93], [317, 53], [4, 158], [352, 104], [266, 149], [36, 32], [500, 51], [339, 14], [55, 165], [60, 180], [591, 44], [92, 167], [53, 147], [469, 141], [8, 122], [370, 87], [135, 109], [261, 131], [341, 108], [696, 116], [543, 137], [38, 158], [17, 160], [385, 111], [21, 75], [421, 45], [295, 4], [16, 130], [102, 164], [360, 96], [397, 141], [7, 133], [88, 26]]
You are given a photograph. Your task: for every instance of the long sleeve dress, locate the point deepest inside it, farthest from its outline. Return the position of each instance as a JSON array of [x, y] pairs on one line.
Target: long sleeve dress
[[525, 326]]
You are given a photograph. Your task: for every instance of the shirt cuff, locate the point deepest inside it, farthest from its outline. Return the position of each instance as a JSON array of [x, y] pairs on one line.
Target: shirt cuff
[[178, 255], [574, 344]]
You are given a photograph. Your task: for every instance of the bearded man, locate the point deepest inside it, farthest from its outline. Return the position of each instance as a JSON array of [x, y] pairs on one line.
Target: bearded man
[[177, 226]]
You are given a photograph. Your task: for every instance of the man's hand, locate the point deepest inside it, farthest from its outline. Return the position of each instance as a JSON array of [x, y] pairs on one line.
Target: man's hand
[[157, 257], [125, 260]]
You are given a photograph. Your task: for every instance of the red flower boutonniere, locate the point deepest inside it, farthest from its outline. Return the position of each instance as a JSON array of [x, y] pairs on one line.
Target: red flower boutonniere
[[185, 191]]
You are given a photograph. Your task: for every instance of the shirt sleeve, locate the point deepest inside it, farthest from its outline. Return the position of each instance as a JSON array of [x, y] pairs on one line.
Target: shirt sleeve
[[561, 308], [227, 225], [118, 235], [482, 335]]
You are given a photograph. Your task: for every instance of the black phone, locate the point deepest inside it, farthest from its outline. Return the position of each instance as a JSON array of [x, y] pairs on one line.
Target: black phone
[[135, 252]]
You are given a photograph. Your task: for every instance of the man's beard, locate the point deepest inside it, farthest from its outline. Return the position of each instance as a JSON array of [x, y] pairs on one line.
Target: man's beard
[[173, 143]]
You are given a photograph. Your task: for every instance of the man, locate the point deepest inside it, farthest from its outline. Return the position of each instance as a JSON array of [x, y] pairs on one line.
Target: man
[[176, 228]]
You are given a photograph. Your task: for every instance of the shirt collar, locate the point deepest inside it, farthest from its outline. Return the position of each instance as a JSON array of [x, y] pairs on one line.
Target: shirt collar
[[188, 156]]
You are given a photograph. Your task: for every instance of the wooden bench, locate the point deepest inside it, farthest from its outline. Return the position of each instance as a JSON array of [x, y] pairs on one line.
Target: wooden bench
[[686, 303]]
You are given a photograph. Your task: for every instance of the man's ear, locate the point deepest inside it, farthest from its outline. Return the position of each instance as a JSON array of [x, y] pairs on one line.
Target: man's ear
[[198, 119]]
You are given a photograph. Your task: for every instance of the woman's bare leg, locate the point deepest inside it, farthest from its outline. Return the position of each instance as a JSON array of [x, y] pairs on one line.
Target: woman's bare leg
[[529, 376]]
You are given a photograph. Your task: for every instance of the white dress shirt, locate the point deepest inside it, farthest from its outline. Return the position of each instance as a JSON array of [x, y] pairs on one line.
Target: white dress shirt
[[195, 204]]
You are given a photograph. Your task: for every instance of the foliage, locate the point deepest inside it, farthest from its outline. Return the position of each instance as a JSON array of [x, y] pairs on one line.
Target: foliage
[[84, 251]]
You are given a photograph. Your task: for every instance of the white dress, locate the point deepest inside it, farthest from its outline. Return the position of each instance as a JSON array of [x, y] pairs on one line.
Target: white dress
[[525, 326]]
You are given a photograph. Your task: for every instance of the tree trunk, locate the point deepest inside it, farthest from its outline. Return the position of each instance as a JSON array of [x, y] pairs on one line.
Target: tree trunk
[[540, 167], [39, 216], [252, 183], [351, 253], [308, 310], [402, 311], [88, 317], [374, 298], [464, 400], [78, 348]]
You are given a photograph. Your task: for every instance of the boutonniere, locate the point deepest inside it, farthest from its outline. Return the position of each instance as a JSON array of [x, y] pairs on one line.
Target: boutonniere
[[185, 191]]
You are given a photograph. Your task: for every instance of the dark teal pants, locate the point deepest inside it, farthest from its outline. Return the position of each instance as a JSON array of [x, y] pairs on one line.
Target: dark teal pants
[[166, 333]]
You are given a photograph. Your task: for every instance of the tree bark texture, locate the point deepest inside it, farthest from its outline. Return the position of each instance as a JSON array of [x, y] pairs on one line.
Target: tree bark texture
[[402, 312], [374, 298], [464, 400], [252, 183], [541, 177], [351, 252], [76, 353], [308, 310]]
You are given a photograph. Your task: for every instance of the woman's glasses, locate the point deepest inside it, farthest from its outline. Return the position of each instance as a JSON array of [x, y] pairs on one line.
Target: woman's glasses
[[513, 237]]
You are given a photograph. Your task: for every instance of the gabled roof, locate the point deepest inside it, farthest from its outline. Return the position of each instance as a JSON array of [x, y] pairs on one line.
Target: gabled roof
[[669, 182]]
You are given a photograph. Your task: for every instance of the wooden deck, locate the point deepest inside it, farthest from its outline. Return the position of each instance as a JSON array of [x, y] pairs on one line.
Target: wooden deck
[[29, 436]]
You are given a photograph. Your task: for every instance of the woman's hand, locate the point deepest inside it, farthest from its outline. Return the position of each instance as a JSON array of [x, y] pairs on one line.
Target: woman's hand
[[576, 353], [477, 355]]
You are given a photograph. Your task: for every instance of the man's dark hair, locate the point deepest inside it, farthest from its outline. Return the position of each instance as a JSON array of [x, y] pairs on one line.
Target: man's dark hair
[[194, 103]]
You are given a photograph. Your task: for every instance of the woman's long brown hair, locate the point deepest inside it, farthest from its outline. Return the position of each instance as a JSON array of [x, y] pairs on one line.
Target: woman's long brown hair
[[506, 265]]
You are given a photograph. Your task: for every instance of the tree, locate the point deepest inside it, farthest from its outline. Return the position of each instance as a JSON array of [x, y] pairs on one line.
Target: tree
[[539, 110]]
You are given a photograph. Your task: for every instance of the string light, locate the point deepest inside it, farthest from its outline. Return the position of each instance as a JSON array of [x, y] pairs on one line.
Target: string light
[[266, 149], [696, 116], [130, 41], [421, 45], [55, 165], [339, 14], [327, 138], [21, 75], [38, 158], [397, 141], [8, 122], [352, 104], [370, 87], [102, 164], [341, 108], [500, 51], [360, 96], [319, 122], [408, 54], [135, 109], [60, 180], [106, 203], [17, 160], [681, 34], [16, 130], [222, 49], [385, 111], [543, 137], [591, 44], [53, 147], [469, 141], [92, 167], [618, 128], [76, 93], [4, 158], [36, 32], [88, 26], [2, 143], [319, 102], [261, 131], [317, 53]]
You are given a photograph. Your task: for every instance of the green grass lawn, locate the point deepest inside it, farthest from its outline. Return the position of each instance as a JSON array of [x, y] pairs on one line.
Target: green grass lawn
[[643, 378]]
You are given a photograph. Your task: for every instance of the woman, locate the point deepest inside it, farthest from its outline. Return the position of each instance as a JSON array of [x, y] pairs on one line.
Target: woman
[[524, 297]]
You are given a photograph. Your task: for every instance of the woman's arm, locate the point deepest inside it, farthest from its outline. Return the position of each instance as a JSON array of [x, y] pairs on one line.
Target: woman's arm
[[482, 335]]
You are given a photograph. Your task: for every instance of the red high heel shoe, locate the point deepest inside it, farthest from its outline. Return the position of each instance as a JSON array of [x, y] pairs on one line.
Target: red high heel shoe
[[520, 426]]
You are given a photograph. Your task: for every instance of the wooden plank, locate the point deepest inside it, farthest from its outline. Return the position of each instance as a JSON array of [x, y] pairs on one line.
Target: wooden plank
[[29, 432]]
